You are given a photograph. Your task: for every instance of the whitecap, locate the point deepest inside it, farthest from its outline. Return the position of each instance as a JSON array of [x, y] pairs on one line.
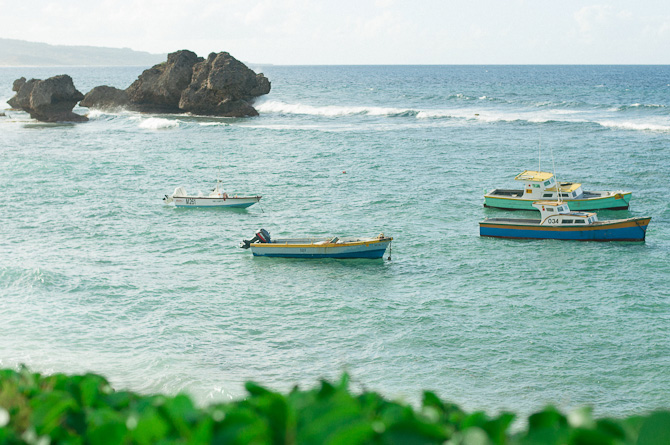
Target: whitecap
[[213, 124], [641, 126], [273, 106], [156, 123]]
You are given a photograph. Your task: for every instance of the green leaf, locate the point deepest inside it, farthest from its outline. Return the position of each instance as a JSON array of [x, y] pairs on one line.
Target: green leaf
[[50, 410], [656, 429]]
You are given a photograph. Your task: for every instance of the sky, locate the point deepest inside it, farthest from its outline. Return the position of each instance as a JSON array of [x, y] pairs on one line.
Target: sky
[[358, 32]]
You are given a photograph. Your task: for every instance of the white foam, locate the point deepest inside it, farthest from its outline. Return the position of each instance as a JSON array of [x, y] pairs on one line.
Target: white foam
[[273, 106], [641, 126], [637, 105], [213, 124], [95, 114], [156, 123]]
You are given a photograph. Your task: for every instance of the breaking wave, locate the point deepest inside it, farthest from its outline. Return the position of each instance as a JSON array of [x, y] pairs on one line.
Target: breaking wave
[[638, 106], [542, 114], [642, 126], [273, 106], [156, 123]]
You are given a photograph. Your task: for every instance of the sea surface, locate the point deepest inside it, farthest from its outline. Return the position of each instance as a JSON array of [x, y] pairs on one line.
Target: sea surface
[[98, 274]]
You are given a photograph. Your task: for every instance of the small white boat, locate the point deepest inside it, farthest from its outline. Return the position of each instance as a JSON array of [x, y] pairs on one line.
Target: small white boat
[[217, 198], [263, 245]]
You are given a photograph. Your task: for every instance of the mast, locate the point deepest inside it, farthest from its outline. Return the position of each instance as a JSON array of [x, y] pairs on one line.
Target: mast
[[539, 155], [558, 184]]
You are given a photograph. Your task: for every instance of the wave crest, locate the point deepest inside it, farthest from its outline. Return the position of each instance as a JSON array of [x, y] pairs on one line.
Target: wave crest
[[642, 126], [273, 106], [157, 123]]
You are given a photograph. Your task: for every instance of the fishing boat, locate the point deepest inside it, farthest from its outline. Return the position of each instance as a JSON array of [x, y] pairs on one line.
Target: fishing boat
[[557, 221], [333, 247], [217, 198], [539, 185]]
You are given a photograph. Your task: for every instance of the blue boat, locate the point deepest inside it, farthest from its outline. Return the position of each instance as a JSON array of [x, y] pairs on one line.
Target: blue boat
[[558, 222]]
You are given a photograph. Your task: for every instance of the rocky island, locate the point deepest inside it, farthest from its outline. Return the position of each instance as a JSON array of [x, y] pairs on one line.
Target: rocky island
[[49, 100], [217, 86]]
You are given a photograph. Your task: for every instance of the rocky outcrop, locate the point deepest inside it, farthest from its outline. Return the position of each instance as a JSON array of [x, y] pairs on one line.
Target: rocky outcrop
[[218, 86], [159, 88], [105, 98], [50, 100], [18, 83], [223, 86]]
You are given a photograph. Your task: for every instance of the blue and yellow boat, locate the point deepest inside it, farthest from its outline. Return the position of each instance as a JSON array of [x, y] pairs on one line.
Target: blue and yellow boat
[[333, 247], [557, 221], [538, 185]]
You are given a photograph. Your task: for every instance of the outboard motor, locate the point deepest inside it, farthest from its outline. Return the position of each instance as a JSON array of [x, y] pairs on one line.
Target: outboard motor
[[262, 236]]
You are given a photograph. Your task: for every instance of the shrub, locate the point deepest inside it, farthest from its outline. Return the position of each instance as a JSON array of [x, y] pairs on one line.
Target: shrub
[[84, 409]]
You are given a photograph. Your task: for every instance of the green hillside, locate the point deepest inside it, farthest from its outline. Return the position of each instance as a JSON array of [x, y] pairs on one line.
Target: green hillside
[[23, 53]]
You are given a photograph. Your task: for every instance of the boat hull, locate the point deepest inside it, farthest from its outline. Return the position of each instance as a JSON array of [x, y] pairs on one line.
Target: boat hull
[[200, 201], [372, 249], [632, 229], [613, 201]]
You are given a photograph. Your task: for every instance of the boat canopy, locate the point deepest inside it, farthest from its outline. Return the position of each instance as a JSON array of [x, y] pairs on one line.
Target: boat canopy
[[531, 175], [566, 187]]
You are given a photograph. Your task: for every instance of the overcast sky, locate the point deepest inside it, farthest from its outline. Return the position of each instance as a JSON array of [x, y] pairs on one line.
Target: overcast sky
[[293, 32]]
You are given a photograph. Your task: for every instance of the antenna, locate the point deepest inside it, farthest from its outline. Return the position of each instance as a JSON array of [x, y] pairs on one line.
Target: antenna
[[558, 184], [539, 155]]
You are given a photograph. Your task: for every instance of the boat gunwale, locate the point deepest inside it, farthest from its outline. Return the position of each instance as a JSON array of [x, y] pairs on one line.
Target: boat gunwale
[[623, 194], [313, 245], [499, 223], [217, 197]]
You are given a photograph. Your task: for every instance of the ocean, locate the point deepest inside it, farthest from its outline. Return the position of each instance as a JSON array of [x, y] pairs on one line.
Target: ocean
[[97, 274]]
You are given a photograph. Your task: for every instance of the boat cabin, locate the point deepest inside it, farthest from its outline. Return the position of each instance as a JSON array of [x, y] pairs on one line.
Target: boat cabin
[[542, 185], [557, 213]]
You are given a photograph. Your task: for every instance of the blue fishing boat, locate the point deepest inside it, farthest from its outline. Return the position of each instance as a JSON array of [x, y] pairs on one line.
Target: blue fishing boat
[[558, 222], [333, 247]]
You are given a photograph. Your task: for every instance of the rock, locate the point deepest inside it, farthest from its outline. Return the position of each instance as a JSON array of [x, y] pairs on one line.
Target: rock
[[105, 98], [218, 86], [223, 86], [49, 100], [159, 88], [18, 83]]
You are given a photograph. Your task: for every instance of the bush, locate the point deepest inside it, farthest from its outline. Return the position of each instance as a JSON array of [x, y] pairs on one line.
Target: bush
[[84, 409]]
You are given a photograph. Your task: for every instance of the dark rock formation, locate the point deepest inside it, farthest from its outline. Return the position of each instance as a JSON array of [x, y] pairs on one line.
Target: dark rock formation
[[18, 83], [105, 98], [49, 100], [159, 88], [218, 86], [223, 86]]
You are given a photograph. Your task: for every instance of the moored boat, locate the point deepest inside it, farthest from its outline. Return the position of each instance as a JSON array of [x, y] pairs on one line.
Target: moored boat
[[538, 185], [557, 221], [333, 247], [217, 198]]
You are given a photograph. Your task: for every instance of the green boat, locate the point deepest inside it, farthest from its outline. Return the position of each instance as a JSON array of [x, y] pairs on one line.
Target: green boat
[[541, 186]]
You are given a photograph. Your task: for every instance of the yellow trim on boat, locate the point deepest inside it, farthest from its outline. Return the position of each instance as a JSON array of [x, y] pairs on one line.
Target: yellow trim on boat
[[488, 195], [531, 175], [599, 225], [315, 245]]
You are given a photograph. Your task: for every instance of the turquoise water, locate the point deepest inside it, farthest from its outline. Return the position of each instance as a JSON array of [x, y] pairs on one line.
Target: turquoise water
[[97, 274]]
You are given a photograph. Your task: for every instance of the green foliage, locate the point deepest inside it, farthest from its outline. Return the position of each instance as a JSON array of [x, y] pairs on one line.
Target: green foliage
[[62, 409]]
